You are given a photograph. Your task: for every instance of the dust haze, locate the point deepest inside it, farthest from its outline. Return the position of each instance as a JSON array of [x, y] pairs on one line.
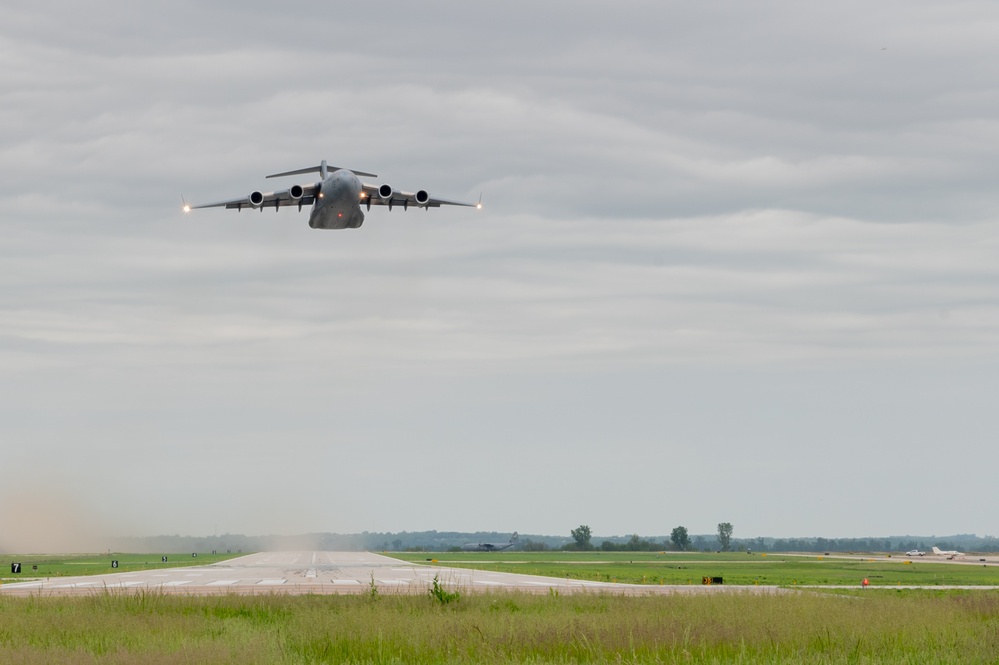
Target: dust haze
[[45, 518]]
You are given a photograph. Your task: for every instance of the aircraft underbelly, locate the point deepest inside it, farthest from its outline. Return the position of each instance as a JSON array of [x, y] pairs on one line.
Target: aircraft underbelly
[[332, 218]]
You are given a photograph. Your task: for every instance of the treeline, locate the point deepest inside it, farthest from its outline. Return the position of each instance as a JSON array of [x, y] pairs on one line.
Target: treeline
[[965, 542], [442, 541]]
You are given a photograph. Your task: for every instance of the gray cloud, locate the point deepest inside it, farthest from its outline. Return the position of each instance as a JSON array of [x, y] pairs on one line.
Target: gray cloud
[[758, 239]]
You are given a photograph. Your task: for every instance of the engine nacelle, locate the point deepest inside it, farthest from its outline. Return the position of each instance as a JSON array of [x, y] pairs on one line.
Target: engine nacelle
[[385, 191], [421, 197], [256, 198], [295, 192]]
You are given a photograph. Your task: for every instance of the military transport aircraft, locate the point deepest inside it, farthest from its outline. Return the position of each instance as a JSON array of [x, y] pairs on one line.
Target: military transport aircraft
[[336, 199], [490, 547]]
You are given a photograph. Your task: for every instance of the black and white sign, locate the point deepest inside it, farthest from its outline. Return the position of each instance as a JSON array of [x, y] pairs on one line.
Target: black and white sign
[[114, 563], [15, 568]]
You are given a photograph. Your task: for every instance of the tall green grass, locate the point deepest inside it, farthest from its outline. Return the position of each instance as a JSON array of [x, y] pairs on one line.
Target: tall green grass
[[893, 627]]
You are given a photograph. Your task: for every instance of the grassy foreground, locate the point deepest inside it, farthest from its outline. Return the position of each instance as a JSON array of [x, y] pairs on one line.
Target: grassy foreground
[[894, 627], [734, 568]]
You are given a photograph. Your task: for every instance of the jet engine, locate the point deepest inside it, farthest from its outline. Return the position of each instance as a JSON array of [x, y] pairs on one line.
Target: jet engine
[[385, 191], [295, 192], [421, 197], [256, 198]]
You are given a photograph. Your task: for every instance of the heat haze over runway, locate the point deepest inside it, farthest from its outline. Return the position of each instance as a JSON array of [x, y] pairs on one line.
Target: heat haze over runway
[[326, 573]]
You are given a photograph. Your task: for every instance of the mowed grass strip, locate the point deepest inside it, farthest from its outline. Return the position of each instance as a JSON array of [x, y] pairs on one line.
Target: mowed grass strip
[[894, 627], [689, 568], [69, 565]]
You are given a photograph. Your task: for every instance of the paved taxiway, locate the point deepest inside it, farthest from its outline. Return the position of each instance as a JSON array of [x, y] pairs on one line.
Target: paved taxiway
[[330, 573]]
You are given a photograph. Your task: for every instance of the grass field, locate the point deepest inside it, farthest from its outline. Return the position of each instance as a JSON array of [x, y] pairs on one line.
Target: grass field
[[891, 627], [65, 565], [734, 568]]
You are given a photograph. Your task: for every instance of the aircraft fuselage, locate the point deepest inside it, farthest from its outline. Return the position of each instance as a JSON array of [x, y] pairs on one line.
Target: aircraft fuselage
[[338, 204]]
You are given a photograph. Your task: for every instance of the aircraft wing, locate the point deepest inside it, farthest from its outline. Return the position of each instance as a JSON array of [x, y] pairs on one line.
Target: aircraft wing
[[297, 195], [379, 196]]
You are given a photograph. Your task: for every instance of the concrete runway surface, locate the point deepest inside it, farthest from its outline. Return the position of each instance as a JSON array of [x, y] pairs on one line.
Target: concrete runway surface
[[332, 573]]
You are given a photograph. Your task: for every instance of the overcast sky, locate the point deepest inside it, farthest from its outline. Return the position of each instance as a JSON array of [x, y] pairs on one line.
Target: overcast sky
[[737, 262]]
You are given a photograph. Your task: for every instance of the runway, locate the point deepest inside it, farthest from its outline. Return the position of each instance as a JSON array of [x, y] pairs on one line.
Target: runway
[[331, 573]]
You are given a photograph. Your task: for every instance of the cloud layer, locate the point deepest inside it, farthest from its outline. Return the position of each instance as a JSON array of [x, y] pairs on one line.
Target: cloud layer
[[726, 251]]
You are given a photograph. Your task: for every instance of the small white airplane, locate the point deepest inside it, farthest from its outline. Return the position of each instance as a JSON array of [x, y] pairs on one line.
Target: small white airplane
[[950, 554], [336, 199], [915, 553]]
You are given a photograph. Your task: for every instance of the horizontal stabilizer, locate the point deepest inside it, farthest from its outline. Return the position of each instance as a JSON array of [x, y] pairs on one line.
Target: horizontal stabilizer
[[319, 169]]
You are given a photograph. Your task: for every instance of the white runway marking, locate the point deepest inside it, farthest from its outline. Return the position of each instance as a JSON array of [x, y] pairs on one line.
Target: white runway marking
[[77, 585], [271, 582], [176, 583], [345, 581], [223, 582]]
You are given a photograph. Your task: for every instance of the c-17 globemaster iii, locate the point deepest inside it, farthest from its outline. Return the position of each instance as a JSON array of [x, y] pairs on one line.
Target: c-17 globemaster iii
[[336, 199], [490, 547]]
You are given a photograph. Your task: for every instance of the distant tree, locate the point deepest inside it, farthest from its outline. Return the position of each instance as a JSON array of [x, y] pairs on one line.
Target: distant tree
[[582, 537], [725, 536], [681, 541], [397, 544], [530, 546]]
